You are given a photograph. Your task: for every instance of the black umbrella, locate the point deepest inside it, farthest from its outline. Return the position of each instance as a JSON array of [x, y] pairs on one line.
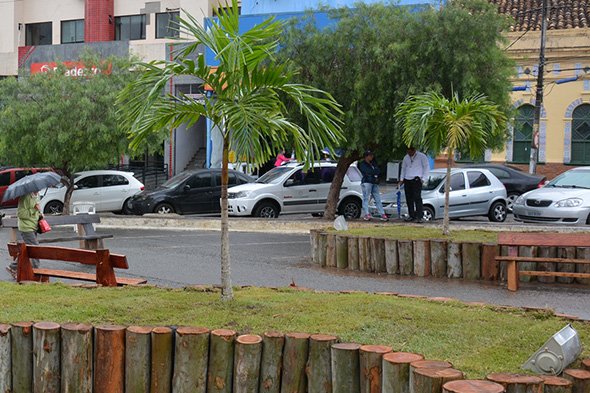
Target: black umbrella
[[30, 184]]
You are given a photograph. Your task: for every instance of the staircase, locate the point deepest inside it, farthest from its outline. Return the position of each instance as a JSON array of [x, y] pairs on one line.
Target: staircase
[[198, 160]]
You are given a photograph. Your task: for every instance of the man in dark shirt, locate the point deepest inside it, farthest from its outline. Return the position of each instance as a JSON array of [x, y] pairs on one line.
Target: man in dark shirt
[[370, 185]]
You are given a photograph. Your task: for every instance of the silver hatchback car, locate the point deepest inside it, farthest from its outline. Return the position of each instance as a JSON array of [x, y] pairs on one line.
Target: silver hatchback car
[[564, 200], [474, 192]]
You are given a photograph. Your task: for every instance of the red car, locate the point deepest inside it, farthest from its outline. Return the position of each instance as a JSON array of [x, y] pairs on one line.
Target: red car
[[9, 176]]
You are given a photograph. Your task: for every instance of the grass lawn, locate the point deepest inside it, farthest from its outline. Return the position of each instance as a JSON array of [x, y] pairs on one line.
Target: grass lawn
[[410, 232], [477, 340]]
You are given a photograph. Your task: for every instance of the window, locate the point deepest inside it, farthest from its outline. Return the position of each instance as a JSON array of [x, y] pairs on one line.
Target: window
[[114, 180], [201, 180], [313, 176], [20, 174], [523, 133], [72, 31], [581, 135], [457, 182], [88, 182], [327, 174], [130, 27], [38, 34], [232, 180], [477, 179], [191, 88], [4, 179], [354, 174], [499, 173], [167, 24]]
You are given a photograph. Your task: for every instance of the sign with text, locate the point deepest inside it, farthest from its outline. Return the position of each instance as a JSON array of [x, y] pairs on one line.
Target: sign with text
[[72, 68]]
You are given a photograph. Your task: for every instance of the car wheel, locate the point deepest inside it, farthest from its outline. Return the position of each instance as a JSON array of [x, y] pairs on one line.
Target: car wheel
[[53, 207], [164, 208], [510, 201], [266, 209], [497, 212], [428, 214], [350, 209], [126, 209]]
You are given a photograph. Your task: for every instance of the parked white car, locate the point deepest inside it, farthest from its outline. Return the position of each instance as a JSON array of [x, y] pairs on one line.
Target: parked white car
[[290, 189], [107, 190]]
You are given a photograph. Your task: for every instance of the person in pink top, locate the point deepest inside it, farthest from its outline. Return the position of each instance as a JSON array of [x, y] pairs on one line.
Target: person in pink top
[[282, 158]]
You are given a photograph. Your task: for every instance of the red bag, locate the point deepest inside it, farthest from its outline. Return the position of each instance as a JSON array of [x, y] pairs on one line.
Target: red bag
[[44, 226]]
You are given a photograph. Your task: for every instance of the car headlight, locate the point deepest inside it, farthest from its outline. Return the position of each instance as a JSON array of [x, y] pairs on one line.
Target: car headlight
[[519, 200], [241, 194], [570, 202]]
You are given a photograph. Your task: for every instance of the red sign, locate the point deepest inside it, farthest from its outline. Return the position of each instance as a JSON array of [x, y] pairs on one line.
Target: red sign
[[73, 68]]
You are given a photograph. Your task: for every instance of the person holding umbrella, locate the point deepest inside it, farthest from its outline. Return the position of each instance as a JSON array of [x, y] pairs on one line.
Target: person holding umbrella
[[28, 212]]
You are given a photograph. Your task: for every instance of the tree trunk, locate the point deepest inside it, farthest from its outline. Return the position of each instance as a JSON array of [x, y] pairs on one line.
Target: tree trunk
[[226, 287], [76, 358], [5, 360], [137, 359], [109, 359], [371, 364], [570, 253], [425, 364], [396, 371], [421, 258], [447, 191], [272, 362], [470, 386], [438, 258], [454, 264], [334, 194], [69, 183], [580, 380], [345, 368], [294, 362], [391, 259], [22, 357], [405, 257], [471, 254], [248, 354], [515, 383], [191, 356], [161, 370], [583, 253], [331, 250], [431, 380], [341, 252], [553, 384], [221, 361], [46, 357], [353, 253], [319, 375]]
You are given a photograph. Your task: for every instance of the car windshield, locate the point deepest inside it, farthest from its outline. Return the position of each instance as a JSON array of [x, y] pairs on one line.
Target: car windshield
[[273, 176], [433, 181], [176, 180], [572, 179]]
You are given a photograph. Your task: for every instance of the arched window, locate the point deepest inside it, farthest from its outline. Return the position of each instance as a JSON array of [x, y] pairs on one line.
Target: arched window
[[581, 135], [523, 133]]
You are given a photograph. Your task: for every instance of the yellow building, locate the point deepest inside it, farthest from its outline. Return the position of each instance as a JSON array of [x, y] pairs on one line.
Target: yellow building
[[564, 139]]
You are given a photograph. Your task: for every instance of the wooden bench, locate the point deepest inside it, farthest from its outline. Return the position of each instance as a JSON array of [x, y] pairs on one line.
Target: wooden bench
[[104, 261], [514, 240], [89, 239]]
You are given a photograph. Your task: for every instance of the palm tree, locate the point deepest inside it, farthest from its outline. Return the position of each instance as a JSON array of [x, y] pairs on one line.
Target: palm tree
[[249, 104], [438, 124]]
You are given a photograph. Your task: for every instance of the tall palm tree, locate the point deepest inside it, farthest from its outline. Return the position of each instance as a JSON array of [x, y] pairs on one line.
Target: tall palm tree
[[438, 124], [249, 104]]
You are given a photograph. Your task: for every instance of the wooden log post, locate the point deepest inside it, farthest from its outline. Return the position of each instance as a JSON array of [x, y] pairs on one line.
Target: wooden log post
[[109, 359], [371, 365], [553, 384], [431, 380], [353, 253], [5, 359], [341, 252], [138, 343], [331, 250], [365, 259], [378, 254], [527, 251], [319, 369], [322, 244], [473, 386], [516, 383], [293, 379], [272, 362], [396, 371], [546, 252], [221, 361], [566, 252], [248, 354], [586, 364], [391, 259], [161, 365], [76, 358], [345, 368], [504, 251], [454, 264], [471, 258], [438, 258], [405, 257], [21, 345], [580, 380], [583, 253], [314, 240], [490, 268], [191, 356], [421, 258], [46, 357], [425, 364]]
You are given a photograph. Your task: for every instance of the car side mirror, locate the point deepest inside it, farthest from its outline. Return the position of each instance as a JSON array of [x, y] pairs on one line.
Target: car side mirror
[[76, 187], [290, 182], [187, 187]]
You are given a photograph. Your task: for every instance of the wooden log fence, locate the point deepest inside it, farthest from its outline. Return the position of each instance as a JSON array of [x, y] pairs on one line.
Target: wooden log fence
[[437, 258], [46, 357]]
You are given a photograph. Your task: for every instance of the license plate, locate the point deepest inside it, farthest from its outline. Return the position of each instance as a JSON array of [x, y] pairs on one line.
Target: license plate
[[533, 213]]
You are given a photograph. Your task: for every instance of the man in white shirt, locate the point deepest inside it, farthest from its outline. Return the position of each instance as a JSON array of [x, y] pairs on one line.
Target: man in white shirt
[[415, 169]]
